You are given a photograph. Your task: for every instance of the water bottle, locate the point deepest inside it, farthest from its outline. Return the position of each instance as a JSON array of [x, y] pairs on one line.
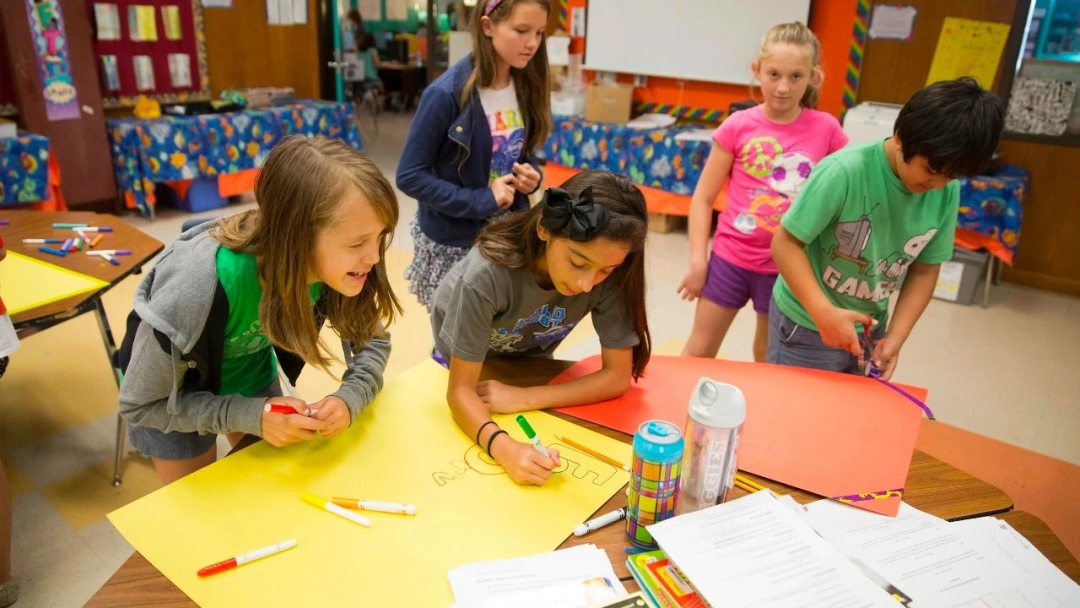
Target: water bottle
[[654, 479], [717, 412]]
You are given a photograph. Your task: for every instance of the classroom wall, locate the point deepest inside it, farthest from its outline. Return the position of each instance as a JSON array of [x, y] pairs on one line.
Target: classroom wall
[[894, 69], [831, 20], [244, 51]]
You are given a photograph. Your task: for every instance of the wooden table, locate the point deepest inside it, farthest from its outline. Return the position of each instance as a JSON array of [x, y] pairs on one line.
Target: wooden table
[[37, 224], [932, 486]]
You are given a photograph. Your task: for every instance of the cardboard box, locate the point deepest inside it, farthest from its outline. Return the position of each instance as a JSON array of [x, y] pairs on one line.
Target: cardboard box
[[608, 102]]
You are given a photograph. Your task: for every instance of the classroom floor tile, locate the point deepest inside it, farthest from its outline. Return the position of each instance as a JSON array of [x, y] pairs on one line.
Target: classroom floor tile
[[17, 480], [68, 452], [56, 567], [85, 498], [1003, 378]]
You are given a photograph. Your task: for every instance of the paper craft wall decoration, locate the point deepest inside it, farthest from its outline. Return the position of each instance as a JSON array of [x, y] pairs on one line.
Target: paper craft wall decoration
[[110, 72], [404, 448], [170, 16], [845, 437], [144, 73], [107, 17], [1039, 106], [180, 70], [142, 23], [50, 46]]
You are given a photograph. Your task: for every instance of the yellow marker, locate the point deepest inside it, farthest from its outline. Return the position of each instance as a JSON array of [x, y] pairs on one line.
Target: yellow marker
[[336, 510]]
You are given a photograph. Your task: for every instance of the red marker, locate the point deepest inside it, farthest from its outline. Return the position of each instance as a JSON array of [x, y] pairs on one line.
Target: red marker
[[240, 560], [277, 408]]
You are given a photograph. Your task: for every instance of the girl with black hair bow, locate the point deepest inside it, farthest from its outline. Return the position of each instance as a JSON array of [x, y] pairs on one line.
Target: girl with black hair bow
[[529, 280]]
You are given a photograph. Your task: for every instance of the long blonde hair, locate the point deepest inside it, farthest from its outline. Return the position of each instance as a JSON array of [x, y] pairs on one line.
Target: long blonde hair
[[299, 190], [532, 84], [796, 34]]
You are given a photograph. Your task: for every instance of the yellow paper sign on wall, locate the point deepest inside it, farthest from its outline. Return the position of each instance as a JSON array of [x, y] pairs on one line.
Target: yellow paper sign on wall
[[968, 48], [404, 448]]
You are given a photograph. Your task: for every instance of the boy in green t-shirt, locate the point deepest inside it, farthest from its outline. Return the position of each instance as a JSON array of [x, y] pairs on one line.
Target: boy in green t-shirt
[[868, 216]]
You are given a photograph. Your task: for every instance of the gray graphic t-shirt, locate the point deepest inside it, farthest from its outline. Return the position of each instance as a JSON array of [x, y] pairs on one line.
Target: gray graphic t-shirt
[[481, 308]]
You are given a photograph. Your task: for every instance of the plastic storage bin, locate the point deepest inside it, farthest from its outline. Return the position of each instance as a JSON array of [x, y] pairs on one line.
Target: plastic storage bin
[[960, 276]]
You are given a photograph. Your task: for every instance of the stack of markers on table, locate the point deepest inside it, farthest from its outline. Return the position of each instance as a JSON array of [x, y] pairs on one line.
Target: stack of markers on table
[[81, 240]]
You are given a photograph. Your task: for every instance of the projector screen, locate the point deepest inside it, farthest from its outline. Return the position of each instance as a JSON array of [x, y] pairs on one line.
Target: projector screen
[[710, 40]]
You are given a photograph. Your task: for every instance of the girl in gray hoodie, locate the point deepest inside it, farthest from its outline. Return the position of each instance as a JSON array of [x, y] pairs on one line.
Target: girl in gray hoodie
[[229, 301]]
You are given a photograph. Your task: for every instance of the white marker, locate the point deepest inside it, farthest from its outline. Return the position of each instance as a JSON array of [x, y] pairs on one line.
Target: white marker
[[599, 522], [374, 505], [336, 510]]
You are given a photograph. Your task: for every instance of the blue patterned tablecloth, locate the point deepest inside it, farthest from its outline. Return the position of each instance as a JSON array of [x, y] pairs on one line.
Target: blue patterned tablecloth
[[188, 147], [992, 205], [652, 157], [24, 169]]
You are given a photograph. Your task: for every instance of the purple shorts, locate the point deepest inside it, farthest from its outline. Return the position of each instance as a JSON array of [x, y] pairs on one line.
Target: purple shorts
[[731, 286]]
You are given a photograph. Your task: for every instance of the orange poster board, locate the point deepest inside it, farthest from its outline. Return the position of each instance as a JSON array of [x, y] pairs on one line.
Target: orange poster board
[[842, 436]]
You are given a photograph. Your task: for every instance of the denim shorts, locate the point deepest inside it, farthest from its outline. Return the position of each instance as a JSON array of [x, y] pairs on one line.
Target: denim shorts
[[798, 346], [181, 446]]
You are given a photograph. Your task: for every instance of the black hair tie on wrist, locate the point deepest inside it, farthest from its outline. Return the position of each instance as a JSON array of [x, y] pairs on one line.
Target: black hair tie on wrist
[[481, 430], [582, 218], [492, 438]]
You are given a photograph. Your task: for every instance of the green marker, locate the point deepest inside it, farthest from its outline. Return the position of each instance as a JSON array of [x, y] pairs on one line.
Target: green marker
[[531, 434], [69, 225]]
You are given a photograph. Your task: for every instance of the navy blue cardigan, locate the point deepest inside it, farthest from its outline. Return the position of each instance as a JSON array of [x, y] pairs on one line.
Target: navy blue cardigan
[[446, 162]]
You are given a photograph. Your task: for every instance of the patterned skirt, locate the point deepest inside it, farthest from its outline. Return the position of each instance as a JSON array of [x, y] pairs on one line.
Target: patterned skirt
[[431, 261]]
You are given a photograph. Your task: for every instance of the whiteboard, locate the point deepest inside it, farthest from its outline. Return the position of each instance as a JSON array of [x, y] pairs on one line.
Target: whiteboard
[[710, 40]]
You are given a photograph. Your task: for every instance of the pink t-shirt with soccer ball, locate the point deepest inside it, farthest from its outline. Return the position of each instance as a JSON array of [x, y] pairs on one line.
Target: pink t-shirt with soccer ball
[[771, 164]]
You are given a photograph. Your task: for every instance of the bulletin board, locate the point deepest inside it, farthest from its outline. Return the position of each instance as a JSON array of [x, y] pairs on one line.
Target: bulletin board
[[168, 37]]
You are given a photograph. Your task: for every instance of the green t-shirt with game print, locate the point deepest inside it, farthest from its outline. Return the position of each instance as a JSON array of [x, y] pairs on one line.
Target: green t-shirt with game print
[[863, 228]]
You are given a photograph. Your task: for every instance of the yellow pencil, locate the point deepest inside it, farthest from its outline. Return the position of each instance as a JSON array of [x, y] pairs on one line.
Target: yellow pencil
[[593, 453], [742, 486], [748, 482]]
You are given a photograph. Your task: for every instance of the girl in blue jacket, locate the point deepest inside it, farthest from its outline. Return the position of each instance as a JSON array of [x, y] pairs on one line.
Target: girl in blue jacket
[[470, 151]]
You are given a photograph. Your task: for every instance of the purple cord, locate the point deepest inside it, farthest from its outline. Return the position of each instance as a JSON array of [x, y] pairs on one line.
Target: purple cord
[[911, 397]]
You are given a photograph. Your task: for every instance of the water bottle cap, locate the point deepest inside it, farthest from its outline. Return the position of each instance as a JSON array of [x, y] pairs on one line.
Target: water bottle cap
[[717, 404], [658, 441]]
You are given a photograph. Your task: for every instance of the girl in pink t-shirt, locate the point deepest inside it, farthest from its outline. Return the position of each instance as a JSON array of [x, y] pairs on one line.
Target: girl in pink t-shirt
[[767, 152]]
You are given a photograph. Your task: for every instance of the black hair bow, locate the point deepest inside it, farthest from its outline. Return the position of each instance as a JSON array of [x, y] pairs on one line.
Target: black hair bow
[[582, 218]]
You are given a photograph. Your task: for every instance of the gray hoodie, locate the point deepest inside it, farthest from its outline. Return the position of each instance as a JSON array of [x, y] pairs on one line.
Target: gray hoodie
[[175, 299]]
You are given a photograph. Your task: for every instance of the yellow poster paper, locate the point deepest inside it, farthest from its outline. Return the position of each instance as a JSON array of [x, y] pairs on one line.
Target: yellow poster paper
[[404, 448], [968, 48], [26, 283]]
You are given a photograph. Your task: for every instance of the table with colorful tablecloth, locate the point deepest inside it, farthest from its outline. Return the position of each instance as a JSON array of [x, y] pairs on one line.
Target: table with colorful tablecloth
[[24, 169], [991, 207], [171, 148], [668, 166]]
